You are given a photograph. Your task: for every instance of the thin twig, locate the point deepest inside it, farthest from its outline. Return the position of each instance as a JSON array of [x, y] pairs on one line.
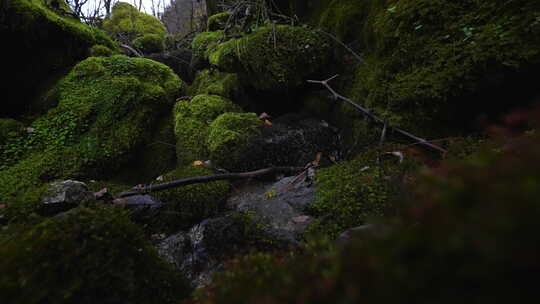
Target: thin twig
[[372, 117], [208, 178], [343, 45]]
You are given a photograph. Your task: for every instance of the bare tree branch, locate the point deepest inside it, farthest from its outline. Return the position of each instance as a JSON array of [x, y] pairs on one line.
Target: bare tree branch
[[134, 51], [372, 117]]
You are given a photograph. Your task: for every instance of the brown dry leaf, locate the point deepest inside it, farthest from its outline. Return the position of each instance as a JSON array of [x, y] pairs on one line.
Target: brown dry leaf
[[333, 159], [317, 160], [2, 206], [267, 122], [197, 163]]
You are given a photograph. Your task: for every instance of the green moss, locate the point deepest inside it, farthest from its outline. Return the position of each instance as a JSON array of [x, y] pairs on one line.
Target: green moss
[[34, 27], [218, 21], [126, 23], [107, 109], [469, 223], [189, 205], [192, 121], [228, 138], [352, 192], [150, 43], [99, 50], [91, 255], [429, 58], [273, 57], [202, 44], [217, 83], [9, 129]]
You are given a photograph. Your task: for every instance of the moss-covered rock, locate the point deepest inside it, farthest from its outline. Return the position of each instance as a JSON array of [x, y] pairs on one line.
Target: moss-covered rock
[[228, 138], [150, 43], [91, 255], [107, 109], [470, 228], [218, 21], [354, 191], [126, 23], [273, 57], [429, 59], [44, 40], [217, 83], [189, 205], [202, 44], [99, 50], [192, 122]]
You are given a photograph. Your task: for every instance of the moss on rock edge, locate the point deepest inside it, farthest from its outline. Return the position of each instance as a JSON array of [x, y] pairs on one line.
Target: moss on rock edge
[[89, 255], [108, 107]]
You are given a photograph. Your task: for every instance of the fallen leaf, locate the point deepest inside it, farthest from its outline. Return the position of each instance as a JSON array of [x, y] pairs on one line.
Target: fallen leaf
[[30, 130], [197, 163], [2, 206], [267, 122], [317, 160]]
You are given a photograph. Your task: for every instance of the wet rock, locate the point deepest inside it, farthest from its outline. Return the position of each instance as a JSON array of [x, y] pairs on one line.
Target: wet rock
[[291, 140], [65, 195], [201, 251], [281, 206]]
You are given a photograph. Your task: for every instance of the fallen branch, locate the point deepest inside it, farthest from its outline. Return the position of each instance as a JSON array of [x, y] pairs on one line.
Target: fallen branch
[[374, 118], [208, 178]]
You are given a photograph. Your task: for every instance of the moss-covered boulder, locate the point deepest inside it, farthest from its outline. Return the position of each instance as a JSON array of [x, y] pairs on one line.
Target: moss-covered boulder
[[126, 23], [107, 109], [88, 256], [45, 40], [150, 43], [273, 57], [202, 44], [218, 83], [228, 138], [431, 64], [189, 205], [192, 123]]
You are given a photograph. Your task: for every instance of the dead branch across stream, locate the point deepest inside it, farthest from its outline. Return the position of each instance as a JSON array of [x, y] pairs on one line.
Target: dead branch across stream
[[209, 178], [374, 118]]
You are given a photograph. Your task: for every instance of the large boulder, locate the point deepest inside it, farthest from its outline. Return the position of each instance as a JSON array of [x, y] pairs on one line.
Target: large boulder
[[291, 140], [42, 40], [90, 255], [108, 109], [276, 57]]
